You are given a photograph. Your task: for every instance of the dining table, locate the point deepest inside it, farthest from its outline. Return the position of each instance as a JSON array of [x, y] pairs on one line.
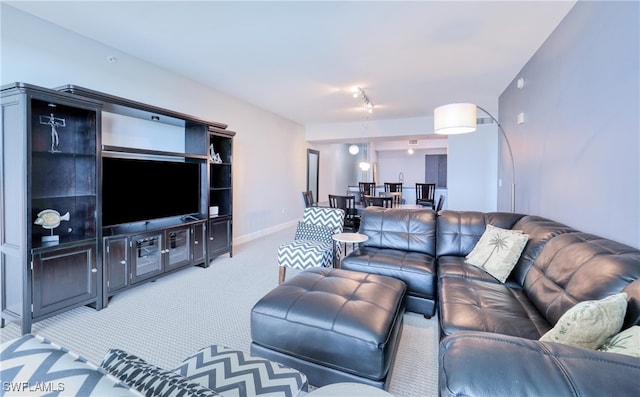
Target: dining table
[[360, 207]]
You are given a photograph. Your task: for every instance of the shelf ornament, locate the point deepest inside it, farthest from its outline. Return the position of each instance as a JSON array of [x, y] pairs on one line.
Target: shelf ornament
[[50, 219], [215, 157], [54, 122]]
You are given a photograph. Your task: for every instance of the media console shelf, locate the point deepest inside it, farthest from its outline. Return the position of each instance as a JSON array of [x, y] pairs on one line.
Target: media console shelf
[[49, 181], [145, 249], [67, 245]]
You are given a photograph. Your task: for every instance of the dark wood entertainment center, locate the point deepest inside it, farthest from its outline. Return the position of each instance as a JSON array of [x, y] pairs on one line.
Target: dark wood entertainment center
[[56, 253]]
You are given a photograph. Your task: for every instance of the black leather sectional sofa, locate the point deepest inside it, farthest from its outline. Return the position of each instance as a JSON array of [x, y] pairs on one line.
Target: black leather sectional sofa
[[490, 330]]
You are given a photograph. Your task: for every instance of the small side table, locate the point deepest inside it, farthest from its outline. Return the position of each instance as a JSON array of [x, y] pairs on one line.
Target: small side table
[[353, 238]]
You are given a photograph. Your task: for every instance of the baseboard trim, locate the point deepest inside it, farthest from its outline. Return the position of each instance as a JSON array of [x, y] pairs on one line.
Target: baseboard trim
[[261, 233]]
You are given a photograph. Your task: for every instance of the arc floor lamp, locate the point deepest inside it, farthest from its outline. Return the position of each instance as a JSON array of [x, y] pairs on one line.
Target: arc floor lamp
[[462, 118]]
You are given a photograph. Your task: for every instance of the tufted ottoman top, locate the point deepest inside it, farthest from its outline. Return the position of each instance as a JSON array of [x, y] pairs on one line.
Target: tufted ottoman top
[[338, 318]]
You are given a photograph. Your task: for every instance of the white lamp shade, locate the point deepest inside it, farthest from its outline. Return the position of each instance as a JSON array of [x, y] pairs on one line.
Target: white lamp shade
[[455, 118], [364, 166], [354, 149]]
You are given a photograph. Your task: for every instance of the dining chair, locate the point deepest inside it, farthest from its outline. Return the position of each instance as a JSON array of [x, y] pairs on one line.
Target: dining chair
[[307, 197], [383, 201], [313, 245], [425, 194], [394, 189], [348, 205], [391, 187], [366, 189], [440, 203]]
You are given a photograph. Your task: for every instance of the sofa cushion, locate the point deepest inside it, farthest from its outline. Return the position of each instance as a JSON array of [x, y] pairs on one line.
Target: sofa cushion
[[576, 267], [416, 269], [489, 306], [588, 324], [540, 231], [400, 229], [497, 251], [485, 364], [625, 342], [459, 231], [455, 266], [149, 379]]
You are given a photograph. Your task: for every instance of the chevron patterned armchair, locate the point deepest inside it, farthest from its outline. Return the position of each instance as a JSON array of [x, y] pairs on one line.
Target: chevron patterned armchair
[[313, 245]]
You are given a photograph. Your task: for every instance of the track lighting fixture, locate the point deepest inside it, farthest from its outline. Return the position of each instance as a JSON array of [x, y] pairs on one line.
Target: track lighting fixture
[[359, 93]]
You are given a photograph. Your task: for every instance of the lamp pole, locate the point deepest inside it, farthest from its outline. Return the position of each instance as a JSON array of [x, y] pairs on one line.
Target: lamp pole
[[513, 166]]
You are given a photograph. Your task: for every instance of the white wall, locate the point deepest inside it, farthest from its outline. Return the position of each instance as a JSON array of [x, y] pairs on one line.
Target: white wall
[[369, 129], [472, 158], [578, 151], [472, 165], [269, 151], [393, 162]]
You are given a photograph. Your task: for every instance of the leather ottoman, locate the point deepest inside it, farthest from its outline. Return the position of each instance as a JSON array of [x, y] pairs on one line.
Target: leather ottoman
[[333, 325]]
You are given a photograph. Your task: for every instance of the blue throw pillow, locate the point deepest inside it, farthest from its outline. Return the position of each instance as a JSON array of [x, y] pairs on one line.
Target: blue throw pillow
[[309, 232]]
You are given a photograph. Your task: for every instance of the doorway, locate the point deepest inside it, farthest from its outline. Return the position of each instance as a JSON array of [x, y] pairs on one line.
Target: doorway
[[313, 169]]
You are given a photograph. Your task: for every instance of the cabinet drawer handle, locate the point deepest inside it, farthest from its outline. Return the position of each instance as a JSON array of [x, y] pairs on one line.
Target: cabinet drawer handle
[[94, 270], [123, 262]]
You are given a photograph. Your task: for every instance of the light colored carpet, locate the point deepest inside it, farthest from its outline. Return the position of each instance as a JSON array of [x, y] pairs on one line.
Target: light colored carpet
[[166, 321]]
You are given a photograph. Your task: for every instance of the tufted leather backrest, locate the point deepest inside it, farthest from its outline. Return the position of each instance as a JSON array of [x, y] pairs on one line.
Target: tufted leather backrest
[[540, 231], [575, 267], [459, 231], [402, 229]]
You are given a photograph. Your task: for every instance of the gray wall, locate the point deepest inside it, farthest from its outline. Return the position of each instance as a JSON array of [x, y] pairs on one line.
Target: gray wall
[[578, 152], [269, 151]]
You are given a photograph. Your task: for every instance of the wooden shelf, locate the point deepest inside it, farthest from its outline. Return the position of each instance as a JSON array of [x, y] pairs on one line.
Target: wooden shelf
[[123, 149], [128, 107]]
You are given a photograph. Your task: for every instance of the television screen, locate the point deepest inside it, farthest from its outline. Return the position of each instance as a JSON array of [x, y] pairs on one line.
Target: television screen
[[137, 190]]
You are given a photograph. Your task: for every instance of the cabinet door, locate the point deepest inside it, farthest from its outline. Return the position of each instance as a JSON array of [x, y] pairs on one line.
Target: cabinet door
[[116, 263], [63, 278], [178, 247], [219, 238], [147, 251], [199, 234]]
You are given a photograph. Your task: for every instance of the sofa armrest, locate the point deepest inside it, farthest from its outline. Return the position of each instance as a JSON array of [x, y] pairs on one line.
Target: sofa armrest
[[487, 364]]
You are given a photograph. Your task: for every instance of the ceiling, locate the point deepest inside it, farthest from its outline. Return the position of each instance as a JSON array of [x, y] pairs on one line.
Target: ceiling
[[300, 59]]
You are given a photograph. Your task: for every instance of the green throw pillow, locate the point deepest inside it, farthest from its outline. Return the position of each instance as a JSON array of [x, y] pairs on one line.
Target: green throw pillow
[[588, 324], [498, 251], [626, 342]]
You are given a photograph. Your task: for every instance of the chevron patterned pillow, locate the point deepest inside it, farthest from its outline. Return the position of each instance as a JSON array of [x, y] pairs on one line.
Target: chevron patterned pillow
[[310, 232], [236, 373], [32, 365], [149, 379]]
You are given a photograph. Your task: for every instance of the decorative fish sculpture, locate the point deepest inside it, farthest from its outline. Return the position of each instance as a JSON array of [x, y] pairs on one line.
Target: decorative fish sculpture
[[50, 219]]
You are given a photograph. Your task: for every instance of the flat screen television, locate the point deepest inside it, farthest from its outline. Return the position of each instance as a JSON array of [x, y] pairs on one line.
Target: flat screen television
[[136, 190]]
